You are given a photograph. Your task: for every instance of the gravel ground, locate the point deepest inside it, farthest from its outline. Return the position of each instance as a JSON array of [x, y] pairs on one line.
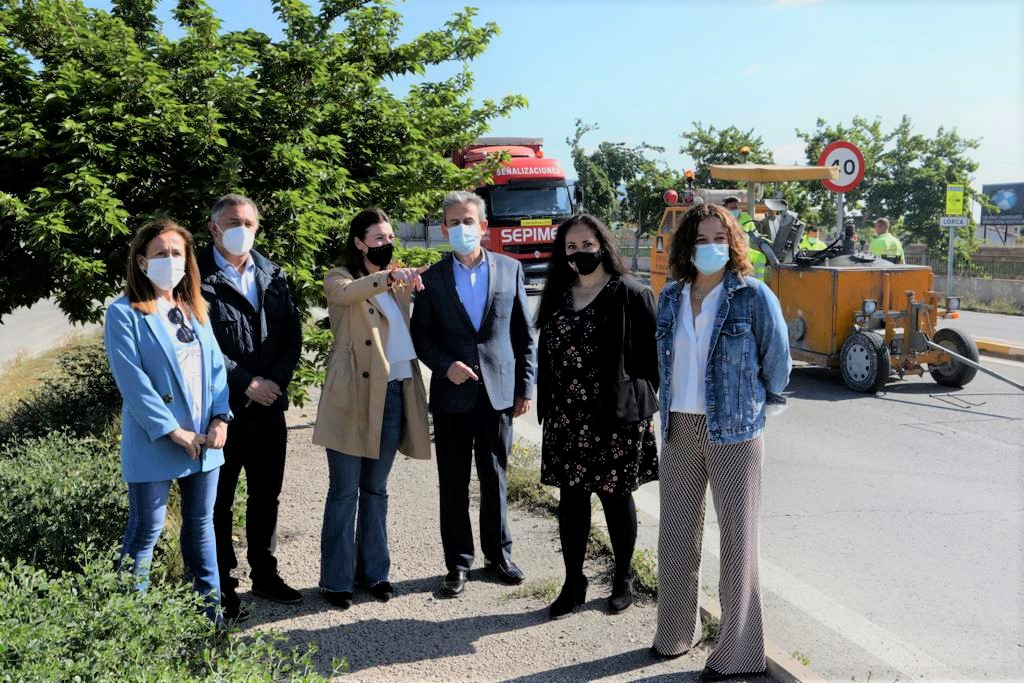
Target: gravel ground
[[492, 632]]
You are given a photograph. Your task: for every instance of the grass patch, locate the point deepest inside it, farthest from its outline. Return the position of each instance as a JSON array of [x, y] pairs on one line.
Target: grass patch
[[800, 657], [540, 589], [1002, 306], [523, 481], [709, 630], [21, 375]]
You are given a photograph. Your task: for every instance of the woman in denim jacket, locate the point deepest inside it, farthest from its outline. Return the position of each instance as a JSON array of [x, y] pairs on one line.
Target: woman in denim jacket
[[727, 358]]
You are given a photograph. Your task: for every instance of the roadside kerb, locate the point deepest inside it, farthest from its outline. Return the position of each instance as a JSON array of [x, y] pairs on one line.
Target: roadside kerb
[[1001, 348]]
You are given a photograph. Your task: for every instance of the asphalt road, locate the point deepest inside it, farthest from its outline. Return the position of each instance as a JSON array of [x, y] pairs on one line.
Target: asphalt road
[[893, 526], [1008, 328], [34, 330]]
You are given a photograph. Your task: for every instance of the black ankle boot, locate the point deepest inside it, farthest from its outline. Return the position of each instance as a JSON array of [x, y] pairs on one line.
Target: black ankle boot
[[574, 594], [622, 595]]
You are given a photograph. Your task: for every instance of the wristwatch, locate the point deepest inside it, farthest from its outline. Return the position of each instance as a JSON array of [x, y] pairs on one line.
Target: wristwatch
[[224, 417]]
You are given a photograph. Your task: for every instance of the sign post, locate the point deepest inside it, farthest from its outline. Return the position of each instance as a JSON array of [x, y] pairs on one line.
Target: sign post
[[953, 219], [850, 161]]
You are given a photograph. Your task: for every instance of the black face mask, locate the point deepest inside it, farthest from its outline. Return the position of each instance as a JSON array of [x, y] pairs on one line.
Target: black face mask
[[380, 256], [586, 262]]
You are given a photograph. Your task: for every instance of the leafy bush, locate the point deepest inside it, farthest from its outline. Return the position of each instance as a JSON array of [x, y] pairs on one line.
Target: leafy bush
[[59, 491], [415, 257], [92, 626], [80, 397]]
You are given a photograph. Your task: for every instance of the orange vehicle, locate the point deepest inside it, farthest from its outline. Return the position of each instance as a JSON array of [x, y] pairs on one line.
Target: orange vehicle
[[527, 201], [869, 318]]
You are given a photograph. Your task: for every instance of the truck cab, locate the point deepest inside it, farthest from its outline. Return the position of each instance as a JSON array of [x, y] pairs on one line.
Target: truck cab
[[526, 202]]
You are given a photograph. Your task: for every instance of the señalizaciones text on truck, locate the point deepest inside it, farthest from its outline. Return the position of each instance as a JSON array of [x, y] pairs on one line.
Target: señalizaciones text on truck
[[527, 201]]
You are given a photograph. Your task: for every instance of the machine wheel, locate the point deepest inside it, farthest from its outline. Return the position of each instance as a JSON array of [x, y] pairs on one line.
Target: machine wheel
[[953, 373], [864, 361]]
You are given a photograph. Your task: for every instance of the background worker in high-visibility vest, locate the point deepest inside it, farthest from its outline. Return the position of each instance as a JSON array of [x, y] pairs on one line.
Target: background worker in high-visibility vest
[[746, 221], [885, 244], [810, 241]]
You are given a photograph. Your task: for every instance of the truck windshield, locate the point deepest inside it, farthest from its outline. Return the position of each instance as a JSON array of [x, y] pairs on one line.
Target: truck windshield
[[531, 201]]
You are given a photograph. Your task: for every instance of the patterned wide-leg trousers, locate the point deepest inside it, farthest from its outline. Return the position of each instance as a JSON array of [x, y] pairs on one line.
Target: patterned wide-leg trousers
[[689, 462]]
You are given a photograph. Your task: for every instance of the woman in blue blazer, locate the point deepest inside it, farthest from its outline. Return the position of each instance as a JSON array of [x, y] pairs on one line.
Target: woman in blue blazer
[[171, 375]]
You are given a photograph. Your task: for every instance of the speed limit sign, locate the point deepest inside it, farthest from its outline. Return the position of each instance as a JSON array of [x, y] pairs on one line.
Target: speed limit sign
[[850, 161]]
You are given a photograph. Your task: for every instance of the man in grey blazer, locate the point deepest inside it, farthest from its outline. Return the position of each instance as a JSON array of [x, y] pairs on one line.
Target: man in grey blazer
[[471, 326]]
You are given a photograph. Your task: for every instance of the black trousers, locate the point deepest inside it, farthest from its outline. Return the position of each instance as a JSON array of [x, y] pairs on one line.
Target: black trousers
[[257, 442], [486, 434]]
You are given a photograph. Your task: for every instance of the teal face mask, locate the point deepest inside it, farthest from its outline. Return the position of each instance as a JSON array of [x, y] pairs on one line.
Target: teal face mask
[[464, 238], [710, 258]]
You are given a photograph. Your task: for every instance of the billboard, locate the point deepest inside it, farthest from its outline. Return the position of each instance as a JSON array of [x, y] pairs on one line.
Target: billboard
[[1009, 198]]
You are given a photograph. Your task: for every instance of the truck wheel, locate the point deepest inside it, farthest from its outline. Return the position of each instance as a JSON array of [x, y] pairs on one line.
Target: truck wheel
[[953, 373], [864, 361]]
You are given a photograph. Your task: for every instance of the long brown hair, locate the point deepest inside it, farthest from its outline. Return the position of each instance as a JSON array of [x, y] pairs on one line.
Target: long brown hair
[[684, 241], [139, 289], [560, 276]]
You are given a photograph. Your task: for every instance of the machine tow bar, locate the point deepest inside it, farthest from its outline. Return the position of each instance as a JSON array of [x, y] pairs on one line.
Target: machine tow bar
[[968, 361]]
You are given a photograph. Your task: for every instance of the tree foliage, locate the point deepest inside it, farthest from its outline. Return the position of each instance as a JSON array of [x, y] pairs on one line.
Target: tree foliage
[[905, 178], [621, 183], [106, 122], [708, 146]]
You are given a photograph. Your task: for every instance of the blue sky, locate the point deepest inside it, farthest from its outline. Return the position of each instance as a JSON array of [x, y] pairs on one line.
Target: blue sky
[[645, 70]]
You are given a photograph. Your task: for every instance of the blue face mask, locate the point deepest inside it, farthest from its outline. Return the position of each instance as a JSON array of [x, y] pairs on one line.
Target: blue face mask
[[710, 258], [735, 213], [464, 238]]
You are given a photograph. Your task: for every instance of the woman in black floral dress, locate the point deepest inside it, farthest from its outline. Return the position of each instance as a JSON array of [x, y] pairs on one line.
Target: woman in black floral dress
[[597, 377]]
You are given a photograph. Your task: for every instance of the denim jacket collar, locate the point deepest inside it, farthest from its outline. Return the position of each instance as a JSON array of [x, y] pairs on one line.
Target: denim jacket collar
[[674, 289]]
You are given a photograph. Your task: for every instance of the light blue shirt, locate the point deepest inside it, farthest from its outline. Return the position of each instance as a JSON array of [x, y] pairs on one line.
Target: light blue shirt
[[471, 284], [244, 282]]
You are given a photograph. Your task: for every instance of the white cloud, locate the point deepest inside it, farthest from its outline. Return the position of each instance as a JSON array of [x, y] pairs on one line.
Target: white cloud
[[751, 70]]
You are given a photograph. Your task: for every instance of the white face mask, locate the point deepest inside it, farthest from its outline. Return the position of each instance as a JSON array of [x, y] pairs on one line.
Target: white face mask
[[237, 240], [165, 273]]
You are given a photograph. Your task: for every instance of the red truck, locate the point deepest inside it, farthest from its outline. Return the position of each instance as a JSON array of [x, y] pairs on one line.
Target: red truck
[[526, 203]]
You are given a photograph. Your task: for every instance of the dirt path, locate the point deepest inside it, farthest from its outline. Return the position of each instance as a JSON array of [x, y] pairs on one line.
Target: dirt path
[[492, 632]]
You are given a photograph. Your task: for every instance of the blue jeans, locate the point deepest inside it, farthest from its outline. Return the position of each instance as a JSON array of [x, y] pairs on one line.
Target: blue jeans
[[351, 554], [147, 508]]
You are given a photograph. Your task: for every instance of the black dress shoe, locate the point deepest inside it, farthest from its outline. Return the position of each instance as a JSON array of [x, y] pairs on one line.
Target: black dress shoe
[[574, 594], [383, 591], [622, 595], [340, 599], [657, 654], [709, 674], [274, 588], [509, 573], [454, 583]]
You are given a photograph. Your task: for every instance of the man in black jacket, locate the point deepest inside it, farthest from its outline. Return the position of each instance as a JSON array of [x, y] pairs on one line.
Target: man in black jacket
[[260, 334]]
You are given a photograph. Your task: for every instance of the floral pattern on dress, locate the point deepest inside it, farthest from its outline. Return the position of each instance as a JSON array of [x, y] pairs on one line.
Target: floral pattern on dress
[[580, 449]]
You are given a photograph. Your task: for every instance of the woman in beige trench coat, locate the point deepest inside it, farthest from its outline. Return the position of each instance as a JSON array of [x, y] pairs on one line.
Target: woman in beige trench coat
[[373, 403]]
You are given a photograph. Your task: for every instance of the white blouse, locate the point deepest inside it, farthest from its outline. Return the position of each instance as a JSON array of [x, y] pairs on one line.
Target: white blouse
[[398, 348], [691, 347], [190, 361]]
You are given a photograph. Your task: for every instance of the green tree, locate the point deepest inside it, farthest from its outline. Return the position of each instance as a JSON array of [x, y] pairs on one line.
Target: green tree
[[621, 183], [106, 122], [905, 178], [871, 141], [708, 146]]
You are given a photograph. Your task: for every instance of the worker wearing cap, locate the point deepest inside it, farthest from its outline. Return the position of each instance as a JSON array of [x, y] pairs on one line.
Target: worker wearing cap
[[885, 244], [757, 258], [810, 241]]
